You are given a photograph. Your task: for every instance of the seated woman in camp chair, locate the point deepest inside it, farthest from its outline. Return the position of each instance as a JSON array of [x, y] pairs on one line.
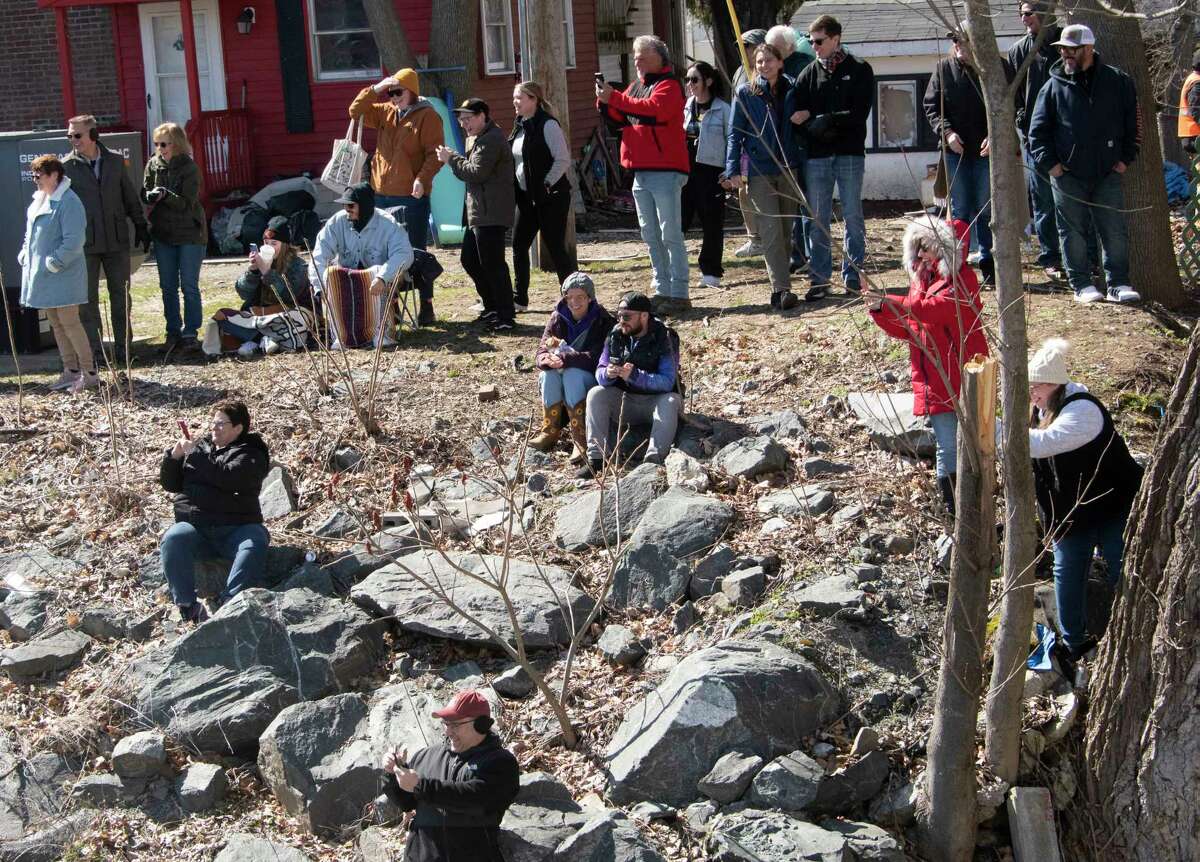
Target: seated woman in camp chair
[[277, 310]]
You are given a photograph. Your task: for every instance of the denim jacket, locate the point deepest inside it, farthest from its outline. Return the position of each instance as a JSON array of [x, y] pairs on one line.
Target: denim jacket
[[754, 132], [714, 131]]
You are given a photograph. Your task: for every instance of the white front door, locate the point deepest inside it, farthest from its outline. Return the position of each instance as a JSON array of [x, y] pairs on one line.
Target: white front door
[[166, 72]]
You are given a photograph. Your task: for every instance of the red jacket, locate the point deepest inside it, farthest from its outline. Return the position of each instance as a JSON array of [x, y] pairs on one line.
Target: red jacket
[[649, 118], [939, 317]]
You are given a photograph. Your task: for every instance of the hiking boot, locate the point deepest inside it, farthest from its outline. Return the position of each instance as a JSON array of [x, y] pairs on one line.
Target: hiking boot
[[554, 417], [785, 300], [680, 304], [169, 345], [852, 287], [661, 304], [797, 267], [775, 294], [987, 269], [816, 292], [426, 317], [193, 613], [591, 470], [576, 419]]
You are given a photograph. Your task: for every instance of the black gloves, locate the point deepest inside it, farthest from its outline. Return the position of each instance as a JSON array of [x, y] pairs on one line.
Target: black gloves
[[142, 237], [821, 128]]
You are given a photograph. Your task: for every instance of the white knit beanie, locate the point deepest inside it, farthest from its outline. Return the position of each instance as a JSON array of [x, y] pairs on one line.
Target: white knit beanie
[[1049, 364]]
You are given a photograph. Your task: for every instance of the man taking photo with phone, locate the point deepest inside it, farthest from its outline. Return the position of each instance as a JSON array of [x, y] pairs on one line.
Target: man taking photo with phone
[[459, 789]]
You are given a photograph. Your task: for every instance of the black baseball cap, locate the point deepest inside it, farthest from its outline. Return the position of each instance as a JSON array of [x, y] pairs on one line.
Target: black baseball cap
[[634, 301], [473, 106]]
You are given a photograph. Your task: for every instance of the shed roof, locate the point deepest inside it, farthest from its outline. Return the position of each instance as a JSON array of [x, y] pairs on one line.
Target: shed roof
[[866, 21]]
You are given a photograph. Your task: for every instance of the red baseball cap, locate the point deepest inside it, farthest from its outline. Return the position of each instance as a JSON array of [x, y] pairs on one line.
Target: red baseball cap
[[466, 704]]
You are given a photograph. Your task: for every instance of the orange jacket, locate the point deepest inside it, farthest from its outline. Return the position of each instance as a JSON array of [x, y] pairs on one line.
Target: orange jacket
[[406, 147], [1188, 127]]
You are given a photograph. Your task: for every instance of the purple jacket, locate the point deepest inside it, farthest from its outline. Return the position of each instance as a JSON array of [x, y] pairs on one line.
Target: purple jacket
[[594, 328]]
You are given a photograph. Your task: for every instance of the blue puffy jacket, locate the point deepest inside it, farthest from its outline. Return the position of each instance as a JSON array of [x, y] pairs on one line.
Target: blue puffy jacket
[[757, 133], [1087, 131], [53, 271]]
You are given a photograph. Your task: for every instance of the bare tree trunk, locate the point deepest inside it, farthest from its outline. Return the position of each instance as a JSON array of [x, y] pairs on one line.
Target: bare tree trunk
[[1009, 214], [1143, 728], [1152, 265], [947, 817], [452, 35], [389, 35]]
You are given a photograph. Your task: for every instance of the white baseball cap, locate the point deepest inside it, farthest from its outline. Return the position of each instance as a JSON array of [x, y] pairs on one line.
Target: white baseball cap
[[1075, 36]]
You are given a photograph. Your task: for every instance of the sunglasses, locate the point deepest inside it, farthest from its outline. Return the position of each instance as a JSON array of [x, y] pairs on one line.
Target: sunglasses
[[74, 135], [817, 41], [162, 145], [692, 79], [1026, 14], [1067, 49], [37, 175], [394, 93]]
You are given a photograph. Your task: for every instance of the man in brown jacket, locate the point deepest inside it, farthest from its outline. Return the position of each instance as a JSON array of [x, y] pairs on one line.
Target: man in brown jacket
[[410, 131], [490, 174]]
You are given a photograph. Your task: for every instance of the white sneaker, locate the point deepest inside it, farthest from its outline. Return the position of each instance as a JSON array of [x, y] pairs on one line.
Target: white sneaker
[[269, 346], [750, 249], [64, 380], [86, 380], [710, 281], [1089, 294], [248, 348], [974, 257], [1123, 293]]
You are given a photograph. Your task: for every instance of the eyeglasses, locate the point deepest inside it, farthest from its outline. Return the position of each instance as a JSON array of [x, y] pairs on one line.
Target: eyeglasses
[[817, 41], [456, 724], [692, 79], [220, 423], [74, 135], [162, 145], [37, 175]]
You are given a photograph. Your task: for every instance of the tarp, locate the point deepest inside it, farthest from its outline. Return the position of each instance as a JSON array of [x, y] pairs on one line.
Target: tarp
[[449, 192]]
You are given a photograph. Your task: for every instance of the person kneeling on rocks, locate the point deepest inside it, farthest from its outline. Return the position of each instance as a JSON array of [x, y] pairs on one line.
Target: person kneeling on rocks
[[459, 789], [216, 481], [638, 375]]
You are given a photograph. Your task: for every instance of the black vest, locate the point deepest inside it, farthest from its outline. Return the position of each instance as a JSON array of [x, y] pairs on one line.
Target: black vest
[[1093, 483], [646, 353], [536, 159]]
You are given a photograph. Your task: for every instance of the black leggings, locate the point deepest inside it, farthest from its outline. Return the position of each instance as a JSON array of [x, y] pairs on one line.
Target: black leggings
[[549, 217], [483, 259], [704, 197]]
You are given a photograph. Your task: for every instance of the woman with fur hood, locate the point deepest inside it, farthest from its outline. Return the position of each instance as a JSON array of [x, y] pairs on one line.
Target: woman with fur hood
[[940, 319]]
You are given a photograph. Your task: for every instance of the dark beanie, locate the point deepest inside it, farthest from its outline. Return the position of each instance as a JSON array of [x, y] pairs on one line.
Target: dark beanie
[[279, 228]]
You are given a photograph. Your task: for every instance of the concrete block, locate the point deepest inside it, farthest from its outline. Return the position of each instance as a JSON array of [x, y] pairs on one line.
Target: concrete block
[[1031, 821]]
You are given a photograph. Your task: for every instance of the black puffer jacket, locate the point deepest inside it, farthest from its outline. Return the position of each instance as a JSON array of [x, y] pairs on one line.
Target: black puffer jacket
[[217, 487], [459, 800]]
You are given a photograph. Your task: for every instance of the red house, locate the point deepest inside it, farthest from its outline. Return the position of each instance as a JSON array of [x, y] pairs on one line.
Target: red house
[[263, 85]]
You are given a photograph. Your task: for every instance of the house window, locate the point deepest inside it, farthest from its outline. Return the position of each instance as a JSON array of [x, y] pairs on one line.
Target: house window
[[343, 45], [898, 120], [569, 33], [497, 37]]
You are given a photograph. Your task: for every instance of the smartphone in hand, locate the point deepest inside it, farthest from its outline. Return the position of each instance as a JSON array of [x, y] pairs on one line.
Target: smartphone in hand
[[183, 428], [254, 248], [599, 76]]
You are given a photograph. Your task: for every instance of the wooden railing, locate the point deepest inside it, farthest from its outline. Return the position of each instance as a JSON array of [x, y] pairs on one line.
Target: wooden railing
[[221, 147]]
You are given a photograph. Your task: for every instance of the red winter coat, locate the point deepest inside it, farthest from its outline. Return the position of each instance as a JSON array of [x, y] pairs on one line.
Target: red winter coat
[[939, 317], [649, 118]]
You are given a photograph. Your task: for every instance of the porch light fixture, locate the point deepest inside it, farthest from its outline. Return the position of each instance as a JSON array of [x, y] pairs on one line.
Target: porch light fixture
[[245, 20]]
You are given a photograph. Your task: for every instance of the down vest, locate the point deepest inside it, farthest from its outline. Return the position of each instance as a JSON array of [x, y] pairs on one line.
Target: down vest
[[940, 315]]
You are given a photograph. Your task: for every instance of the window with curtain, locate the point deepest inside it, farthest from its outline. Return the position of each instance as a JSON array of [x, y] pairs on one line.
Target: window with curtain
[[497, 37], [342, 43]]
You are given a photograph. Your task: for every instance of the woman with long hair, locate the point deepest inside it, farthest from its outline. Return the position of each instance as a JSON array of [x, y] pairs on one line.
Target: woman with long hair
[[541, 157], [762, 129], [171, 187], [707, 120]]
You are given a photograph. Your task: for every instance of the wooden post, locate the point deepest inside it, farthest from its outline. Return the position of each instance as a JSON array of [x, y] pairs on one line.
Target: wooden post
[[190, 63], [948, 815], [64, 61]]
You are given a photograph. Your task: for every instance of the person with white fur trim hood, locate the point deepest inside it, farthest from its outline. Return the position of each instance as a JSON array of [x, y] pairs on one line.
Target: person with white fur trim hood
[[1086, 481]]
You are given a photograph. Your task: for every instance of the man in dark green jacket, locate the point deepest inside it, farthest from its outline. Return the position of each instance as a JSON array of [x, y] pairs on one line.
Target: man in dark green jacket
[[109, 197]]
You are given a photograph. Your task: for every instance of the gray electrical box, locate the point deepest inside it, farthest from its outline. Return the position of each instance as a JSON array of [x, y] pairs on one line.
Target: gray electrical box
[[17, 152]]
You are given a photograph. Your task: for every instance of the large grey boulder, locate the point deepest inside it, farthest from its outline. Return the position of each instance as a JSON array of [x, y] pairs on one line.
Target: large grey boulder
[[278, 495], [379, 550], [800, 501], [751, 457], [890, 423], [23, 615], [321, 759], [533, 829], [753, 835], [868, 842], [219, 686], [608, 837], [716, 700], [649, 576], [830, 595], [32, 790], [48, 844], [47, 653], [730, 776], [789, 783], [682, 523], [247, 848], [608, 515], [405, 591], [140, 755]]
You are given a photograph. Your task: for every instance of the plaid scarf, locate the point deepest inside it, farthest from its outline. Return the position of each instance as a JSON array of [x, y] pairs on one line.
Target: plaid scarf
[[832, 63]]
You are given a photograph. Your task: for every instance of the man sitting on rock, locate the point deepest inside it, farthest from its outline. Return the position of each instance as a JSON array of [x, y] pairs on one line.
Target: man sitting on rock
[[216, 481], [638, 375], [460, 789]]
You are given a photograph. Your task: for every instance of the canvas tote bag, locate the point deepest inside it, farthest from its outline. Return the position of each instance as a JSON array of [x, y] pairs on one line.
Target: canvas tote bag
[[345, 167]]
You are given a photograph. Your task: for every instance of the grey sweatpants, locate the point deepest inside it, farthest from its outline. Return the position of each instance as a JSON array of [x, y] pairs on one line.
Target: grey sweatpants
[[606, 403]]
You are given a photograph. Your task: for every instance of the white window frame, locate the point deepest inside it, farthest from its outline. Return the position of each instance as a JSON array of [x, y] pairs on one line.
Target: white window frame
[[492, 67], [569, 32], [314, 47]]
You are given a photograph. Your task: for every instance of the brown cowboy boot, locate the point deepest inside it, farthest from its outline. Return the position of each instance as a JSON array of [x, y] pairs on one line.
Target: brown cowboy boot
[[554, 417], [578, 432]]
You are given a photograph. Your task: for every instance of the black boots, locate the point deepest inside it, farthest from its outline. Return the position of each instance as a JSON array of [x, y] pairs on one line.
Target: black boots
[[426, 317], [946, 486]]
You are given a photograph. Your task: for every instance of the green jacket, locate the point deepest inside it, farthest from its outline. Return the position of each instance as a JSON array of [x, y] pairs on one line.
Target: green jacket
[[177, 218]]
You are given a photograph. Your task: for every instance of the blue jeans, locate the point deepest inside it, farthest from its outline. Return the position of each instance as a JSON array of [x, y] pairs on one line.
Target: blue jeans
[[565, 384], [945, 432], [1045, 226], [1072, 564], [183, 544], [971, 197], [1100, 201], [416, 216], [660, 216], [179, 267], [819, 178]]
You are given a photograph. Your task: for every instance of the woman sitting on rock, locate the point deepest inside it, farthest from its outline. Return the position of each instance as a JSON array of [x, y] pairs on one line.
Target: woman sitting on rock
[[939, 318], [567, 355]]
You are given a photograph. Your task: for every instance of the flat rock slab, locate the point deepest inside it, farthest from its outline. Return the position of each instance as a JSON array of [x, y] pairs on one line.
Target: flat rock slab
[[405, 591], [754, 835], [730, 776], [220, 685], [890, 423], [608, 837], [648, 575], [831, 594], [247, 848], [23, 615], [716, 700], [789, 783], [798, 502], [278, 495], [784, 425], [608, 515], [871, 843], [533, 829], [682, 523], [35, 566], [45, 654], [47, 845], [751, 457]]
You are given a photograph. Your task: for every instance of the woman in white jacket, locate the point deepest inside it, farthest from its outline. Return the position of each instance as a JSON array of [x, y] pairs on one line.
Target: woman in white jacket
[[706, 120]]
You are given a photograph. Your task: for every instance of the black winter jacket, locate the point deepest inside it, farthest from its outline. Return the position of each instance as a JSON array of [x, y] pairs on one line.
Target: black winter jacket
[[954, 104], [839, 104], [217, 487], [1035, 76], [459, 800], [1086, 122]]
